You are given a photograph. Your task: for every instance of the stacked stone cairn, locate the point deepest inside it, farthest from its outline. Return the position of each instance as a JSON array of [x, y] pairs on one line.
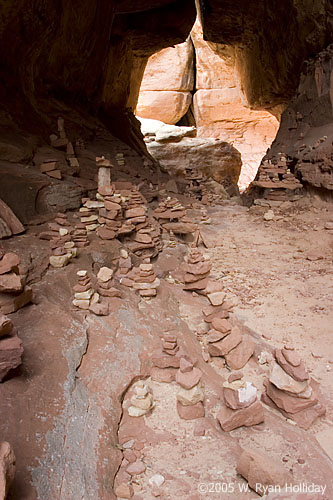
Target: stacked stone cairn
[[289, 389], [80, 236], [142, 400], [120, 159], [124, 267], [143, 279], [166, 361], [241, 405], [111, 215], [105, 283], [196, 271], [13, 293], [84, 294], [59, 140], [226, 340], [62, 247], [51, 168], [89, 217], [171, 214], [11, 349], [190, 394], [72, 160], [276, 179]]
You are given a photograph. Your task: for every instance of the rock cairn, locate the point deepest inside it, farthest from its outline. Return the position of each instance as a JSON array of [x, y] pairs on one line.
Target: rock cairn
[[124, 267], [13, 293], [120, 159], [105, 283], [51, 168], [171, 214], [111, 215], [62, 247], [190, 394], [11, 349], [59, 140], [289, 389], [143, 279], [73, 162], [226, 340], [196, 271], [241, 405], [88, 213], [80, 236], [166, 361], [142, 400], [84, 294], [276, 179]]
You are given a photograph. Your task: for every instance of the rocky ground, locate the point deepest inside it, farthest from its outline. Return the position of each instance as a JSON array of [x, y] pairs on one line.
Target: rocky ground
[[63, 414]]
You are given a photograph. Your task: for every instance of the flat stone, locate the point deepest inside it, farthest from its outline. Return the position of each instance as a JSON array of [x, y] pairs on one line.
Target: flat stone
[[81, 303], [191, 412], [124, 490], [198, 285], [12, 303], [240, 355], [9, 262], [216, 298], [221, 325], [185, 365], [147, 286], [296, 372], [106, 234], [232, 419], [165, 361], [291, 356], [166, 375], [6, 325], [105, 274], [188, 397], [10, 283], [136, 468], [285, 382], [99, 309], [198, 268], [135, 212], [224, 346], [214, 336], [189, 379], [59, 261], [287, 402]]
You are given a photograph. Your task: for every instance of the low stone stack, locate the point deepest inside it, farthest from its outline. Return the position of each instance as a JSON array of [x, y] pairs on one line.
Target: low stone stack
[[84, 294], [166, 361], [105, 283], [120, 159], [72, 159], [142, 401], [59, 140], [196, 271], [62, 249], [241, 405], [135, 216], [171, 214], [124, 267], [290, 390], [80, 236], [145, 279], [111, 215], [89, 214], [51, 168], [205, 219], [190, 394], [11, 349], [13, 293]]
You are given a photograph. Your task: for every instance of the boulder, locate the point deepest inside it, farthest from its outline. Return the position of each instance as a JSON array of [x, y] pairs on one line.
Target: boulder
[[260, 469]]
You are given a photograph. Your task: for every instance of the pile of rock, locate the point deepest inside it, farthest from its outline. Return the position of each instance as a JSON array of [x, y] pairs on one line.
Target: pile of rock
[[105, 283], [241, 404], [190, 395], [276, 179], [289, 389], [124, 267], [142, 400], [84, 294], [144, 279], [172, 216], [13, 293], [72, 159], [166, 361], [227, 340], [62, 247], [111, 214], [89, 217], [60, 140], [196, 271], [80, 236], [11, 349], [120, 159], [51, 168]]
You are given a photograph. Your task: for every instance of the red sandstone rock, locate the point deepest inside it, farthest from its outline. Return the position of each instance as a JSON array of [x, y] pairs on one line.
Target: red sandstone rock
[[239, 356], [185, 365], [224, 346], [7, 468], [214, 336], [287, 401], [166, 375], [99, 309], [6, 325], [221, 325], [165, 361], [124, 490], [191, 412], [189, 379], [11, 351], [106, 234], [9, 262], [231, 419], [12, 303], [260, 469], [296, 372], [291, 356], [10, 283], [235, 376], [136, 468]]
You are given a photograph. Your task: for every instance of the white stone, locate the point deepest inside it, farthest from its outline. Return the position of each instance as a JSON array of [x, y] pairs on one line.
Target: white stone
[[63, 231], [82, 273], [189, 397], [157, 480], [269, 215], [60, 260]]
